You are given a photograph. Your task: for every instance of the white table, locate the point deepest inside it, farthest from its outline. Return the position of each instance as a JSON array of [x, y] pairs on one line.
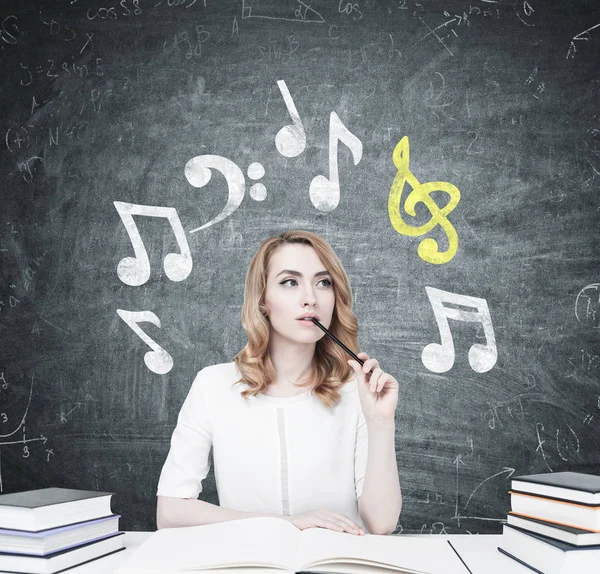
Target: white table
[[478, 551]]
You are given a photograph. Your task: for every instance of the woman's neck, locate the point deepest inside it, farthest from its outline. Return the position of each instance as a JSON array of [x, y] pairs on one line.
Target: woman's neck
[[293, 365]]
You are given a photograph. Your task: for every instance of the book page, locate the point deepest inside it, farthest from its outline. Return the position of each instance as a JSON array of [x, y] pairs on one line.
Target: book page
[[265, 542], [319, 547]]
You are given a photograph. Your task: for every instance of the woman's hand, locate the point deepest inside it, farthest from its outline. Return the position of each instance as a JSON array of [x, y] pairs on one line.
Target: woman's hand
[[324, 518], [378, 391]]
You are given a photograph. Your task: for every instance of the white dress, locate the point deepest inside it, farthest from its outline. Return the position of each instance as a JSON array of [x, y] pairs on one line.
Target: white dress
[[272, 455]]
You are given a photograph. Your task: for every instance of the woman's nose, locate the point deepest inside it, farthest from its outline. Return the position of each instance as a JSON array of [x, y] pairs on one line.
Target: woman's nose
[[308, 297]]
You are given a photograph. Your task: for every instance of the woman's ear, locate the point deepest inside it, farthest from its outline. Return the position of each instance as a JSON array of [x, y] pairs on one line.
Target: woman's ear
[[264, 311]]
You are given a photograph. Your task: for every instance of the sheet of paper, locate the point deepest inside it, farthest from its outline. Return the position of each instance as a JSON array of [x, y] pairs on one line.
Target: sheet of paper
[[243, 543], [429, 555], [481, 555]]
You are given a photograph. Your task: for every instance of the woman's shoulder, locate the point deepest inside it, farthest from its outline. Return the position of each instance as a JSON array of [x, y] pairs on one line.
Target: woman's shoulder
[[213, 377], [219, 370]]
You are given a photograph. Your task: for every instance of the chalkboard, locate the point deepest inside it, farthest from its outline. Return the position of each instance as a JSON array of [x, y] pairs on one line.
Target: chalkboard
[[482, 116]]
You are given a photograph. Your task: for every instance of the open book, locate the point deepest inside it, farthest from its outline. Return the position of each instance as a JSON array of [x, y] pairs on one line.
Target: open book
[[252, 544]]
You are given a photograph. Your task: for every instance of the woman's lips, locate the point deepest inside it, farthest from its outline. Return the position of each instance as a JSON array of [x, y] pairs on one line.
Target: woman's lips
[[306, 322]]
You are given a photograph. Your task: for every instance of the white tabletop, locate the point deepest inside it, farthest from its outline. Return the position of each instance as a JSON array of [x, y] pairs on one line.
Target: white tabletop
[[479, 552]]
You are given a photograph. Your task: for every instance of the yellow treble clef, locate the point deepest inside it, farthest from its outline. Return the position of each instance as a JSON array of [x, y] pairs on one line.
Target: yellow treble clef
[[428, 248]]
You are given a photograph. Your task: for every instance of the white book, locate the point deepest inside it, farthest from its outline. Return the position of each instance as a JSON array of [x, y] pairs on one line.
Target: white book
[[578, 515], [546, 555], [35, 510], [275, 543]]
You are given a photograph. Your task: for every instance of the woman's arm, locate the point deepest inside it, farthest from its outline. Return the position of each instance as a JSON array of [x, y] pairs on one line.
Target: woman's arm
[[380, 503], [175, 512]]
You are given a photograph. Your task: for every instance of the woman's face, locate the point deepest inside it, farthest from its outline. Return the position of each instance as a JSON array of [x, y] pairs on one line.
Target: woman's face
[[298, 286]]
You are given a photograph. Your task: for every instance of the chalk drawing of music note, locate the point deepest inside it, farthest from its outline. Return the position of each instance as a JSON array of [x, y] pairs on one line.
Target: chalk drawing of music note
[[157, 360], [325, 192], [290, 140], [439, 358], [428, 249], [198, 173], [135, 271]]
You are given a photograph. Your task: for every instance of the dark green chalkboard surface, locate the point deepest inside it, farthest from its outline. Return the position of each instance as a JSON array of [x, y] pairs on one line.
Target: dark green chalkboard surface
[[448, 149]]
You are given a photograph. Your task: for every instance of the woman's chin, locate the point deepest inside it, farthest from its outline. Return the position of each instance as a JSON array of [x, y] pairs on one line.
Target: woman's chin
[[307, 338]]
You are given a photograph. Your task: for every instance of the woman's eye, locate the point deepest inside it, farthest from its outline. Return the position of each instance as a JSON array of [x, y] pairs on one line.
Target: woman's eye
[[289, 282], [325, 282]]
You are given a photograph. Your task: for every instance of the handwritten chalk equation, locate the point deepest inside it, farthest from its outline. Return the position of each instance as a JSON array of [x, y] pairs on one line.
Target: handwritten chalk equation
[[428, 249], [584, 36], [10, 438], [439, 357], [301, 12], [563, 441]]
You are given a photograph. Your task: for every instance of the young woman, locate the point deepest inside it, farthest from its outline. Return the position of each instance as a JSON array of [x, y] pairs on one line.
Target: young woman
[[298, 430]]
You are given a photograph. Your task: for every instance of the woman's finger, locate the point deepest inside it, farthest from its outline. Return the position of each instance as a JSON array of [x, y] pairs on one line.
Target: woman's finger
[[374, 381], [353, 526], [348, 523], [355, 365], [389, 382], [370, 365], [331, 525], [357, 370], [345, 527]]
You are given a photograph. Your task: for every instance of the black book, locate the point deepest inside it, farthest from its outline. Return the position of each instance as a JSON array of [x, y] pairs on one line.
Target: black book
[[569, 534], [546, 555], [572, 486], [35, 510], [60, 561]]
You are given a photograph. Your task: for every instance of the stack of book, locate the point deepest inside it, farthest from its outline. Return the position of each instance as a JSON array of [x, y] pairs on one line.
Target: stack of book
[[52, 529], [554, 524]]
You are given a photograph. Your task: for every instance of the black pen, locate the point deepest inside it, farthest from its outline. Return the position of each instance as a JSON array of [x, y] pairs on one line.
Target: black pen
[[337, 341]]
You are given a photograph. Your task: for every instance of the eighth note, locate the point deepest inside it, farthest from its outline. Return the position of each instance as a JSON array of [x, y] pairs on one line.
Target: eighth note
[[325, 192], [135, 271], [439, 358], [290, 140], [157, 360]]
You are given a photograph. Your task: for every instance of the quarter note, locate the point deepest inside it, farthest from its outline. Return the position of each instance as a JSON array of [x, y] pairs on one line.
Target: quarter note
[[157, 360], [135, 271], [439, 358], [290, 140], [325, 192]]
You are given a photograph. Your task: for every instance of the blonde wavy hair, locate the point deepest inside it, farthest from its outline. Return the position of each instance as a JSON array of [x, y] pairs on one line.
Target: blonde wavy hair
[[330, 368]]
